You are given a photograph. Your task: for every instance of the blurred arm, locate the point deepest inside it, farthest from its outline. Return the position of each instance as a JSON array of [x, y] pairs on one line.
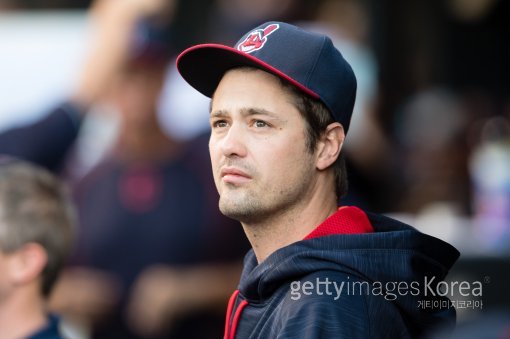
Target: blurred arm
[[85, 295], [47, 141], [163, 295]]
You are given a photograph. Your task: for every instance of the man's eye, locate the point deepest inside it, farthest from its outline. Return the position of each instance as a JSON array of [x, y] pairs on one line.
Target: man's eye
[[219, 124], [260, 123]]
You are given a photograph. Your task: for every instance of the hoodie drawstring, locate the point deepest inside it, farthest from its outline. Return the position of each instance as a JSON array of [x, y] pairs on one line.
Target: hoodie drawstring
[[230, 331]]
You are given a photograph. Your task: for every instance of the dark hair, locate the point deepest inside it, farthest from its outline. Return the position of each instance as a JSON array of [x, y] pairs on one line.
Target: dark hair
[[318, 117], [35, 208]]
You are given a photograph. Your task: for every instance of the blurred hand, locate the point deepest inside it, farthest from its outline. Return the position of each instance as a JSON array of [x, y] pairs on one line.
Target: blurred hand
[[135, 8], [157, 301], [85, 294]]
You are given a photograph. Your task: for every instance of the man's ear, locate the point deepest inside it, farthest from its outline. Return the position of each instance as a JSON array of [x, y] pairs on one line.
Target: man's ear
[[27, 263], [330, 145]]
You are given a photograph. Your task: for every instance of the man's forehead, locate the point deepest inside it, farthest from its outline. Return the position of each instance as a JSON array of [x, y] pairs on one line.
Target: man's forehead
[[235, 80], [238, 75]]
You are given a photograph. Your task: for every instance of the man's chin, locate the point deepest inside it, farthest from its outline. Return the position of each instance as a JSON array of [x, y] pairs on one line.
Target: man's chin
[[237, 210]]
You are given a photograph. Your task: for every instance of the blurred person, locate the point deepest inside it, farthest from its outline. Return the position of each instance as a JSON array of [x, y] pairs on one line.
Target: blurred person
[[36, 233], [186, 235], [154, 255], [282, 100], [48, 141]]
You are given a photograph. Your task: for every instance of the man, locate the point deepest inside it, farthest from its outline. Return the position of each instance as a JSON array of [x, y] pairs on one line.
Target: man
[[35, 236], [282, 99]]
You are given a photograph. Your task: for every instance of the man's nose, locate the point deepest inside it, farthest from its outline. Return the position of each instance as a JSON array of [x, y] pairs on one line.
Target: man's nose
[[233, 144]]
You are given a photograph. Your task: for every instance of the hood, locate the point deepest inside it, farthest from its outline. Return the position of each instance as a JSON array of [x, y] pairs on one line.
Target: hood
[[394, 253]]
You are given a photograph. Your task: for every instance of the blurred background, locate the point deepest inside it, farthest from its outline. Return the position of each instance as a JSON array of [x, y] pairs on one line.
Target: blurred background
[[429, 143]]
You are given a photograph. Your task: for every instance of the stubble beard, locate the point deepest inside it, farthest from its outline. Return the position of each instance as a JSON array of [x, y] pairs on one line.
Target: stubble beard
[[249, 207], [240, 206]]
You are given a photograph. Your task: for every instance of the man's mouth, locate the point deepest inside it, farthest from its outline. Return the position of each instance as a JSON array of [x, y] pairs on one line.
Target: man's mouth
[[234, 175]]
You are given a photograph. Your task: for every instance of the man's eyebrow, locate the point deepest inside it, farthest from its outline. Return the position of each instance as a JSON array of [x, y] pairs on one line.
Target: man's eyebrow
[[245, 112], [218, 114], [257, 111]]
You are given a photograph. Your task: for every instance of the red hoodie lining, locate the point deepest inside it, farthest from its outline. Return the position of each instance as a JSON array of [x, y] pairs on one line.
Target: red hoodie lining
[[346, 220]]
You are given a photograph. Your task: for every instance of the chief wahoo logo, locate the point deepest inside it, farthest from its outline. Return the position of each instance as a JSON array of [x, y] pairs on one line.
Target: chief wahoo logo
[[256, 39]]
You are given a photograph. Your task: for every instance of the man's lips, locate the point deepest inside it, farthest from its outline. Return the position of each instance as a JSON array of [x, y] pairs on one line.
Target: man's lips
[[234, 176]]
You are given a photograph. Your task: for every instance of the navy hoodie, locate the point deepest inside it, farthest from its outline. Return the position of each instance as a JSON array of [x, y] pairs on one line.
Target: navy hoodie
[[297, 291]]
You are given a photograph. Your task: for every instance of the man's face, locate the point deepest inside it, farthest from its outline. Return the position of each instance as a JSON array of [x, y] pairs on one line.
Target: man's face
[[260, 162]]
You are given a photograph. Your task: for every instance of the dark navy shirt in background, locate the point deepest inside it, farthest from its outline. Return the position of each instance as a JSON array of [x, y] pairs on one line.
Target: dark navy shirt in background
[[51, 331]]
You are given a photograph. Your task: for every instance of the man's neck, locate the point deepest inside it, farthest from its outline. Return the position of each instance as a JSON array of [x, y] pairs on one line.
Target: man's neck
[[289, 226], [22, 314]]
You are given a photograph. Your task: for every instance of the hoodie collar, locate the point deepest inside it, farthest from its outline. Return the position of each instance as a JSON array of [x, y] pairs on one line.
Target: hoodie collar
[[370, 256], [346, 220]]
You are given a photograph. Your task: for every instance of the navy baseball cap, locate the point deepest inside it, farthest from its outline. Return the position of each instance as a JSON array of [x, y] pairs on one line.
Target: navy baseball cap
[[309, 61]]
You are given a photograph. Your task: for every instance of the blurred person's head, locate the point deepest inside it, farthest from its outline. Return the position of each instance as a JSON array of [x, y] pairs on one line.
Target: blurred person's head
[[138, 86], [136, 93], [36, 229]]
